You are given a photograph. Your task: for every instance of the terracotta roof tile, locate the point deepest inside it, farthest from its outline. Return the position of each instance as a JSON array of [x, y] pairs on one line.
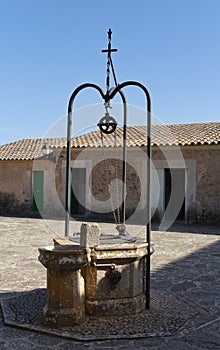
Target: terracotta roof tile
[[162, 135]]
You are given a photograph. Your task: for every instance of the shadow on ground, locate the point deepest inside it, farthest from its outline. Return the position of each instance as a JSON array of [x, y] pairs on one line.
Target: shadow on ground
[[190, 228], [185, 297]]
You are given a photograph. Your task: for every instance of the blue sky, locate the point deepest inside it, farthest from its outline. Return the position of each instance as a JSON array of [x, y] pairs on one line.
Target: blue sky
[[49, 47]]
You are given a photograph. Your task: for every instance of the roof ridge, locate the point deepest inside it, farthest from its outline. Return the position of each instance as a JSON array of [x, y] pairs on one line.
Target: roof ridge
[[162, 135]]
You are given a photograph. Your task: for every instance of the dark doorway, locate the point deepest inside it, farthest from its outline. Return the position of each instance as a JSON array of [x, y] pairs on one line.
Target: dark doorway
[[38, 191], [174, 180], [78, 191]]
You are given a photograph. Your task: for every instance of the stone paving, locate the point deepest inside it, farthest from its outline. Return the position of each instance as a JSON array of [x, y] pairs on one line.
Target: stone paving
[[185, 267]]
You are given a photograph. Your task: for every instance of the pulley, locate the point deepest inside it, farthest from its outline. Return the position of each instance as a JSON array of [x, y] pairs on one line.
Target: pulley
[[107, 124], [113, 275]]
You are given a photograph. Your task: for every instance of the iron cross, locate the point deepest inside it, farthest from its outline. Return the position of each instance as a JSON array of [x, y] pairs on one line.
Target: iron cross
[[109, 49], [109, 61]]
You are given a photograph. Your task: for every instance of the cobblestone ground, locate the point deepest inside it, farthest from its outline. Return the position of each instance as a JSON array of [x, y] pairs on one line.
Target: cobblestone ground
[[186, 263]]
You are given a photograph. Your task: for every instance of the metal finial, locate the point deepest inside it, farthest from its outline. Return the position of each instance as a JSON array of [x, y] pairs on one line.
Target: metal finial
[[109, 34], [109, 50]]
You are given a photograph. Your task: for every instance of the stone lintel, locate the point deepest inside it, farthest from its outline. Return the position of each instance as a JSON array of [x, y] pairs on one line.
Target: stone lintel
[[63, 257], [121, 253]]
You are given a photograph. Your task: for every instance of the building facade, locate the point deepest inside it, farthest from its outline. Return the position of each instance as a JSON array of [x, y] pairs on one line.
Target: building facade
[[185, 185]]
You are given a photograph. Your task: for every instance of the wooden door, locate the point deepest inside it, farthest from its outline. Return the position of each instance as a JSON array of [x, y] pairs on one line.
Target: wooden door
[[174, 194], [78, 191], [38, 191]]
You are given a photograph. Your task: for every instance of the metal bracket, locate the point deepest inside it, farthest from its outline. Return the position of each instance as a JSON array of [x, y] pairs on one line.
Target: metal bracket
[[94, 264]]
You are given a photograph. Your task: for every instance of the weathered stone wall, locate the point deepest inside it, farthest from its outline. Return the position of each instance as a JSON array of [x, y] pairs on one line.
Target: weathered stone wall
[[202, 165], [105, 173], [52, 203], [204, 206], [207, 201], [15, 187]]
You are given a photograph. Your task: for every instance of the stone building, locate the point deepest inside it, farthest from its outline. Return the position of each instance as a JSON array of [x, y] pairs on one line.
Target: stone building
[[185, 175]]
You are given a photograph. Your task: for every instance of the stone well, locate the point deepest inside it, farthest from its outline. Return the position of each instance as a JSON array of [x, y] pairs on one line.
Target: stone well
[[93, 275]]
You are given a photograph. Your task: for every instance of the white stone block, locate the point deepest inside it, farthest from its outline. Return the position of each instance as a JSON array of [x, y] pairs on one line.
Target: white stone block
[[89, 235]]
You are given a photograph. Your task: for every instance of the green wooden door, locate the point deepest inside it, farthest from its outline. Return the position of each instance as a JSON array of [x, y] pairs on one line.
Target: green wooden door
[[38, 190]]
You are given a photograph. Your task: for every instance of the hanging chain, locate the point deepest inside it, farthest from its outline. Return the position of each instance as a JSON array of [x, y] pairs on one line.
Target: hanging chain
[[108, 74], [109, 50], [121, 227], [108, 180], [116, 178], [108, 62]]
